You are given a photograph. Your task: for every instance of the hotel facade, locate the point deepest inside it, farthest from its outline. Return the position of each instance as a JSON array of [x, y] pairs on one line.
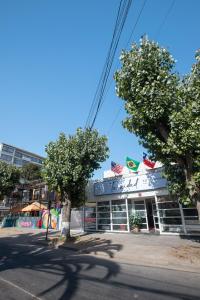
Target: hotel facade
[[112, 200]]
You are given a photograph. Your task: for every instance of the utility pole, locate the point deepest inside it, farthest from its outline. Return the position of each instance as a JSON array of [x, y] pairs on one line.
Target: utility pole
[[49, 207]]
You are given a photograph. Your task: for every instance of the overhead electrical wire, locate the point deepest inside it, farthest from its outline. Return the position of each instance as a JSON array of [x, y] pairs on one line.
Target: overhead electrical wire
[[127, 43], [122, 13], [157, 34], [165, 18]]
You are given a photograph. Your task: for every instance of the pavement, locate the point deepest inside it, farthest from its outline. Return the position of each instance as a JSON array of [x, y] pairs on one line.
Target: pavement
[[97, 266]]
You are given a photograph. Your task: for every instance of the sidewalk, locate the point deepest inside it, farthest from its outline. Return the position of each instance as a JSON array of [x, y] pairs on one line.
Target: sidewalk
[[171, 252]]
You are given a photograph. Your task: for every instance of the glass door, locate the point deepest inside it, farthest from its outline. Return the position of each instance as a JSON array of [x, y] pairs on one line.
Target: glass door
[[119, 215], [138, 206], [103, 215]]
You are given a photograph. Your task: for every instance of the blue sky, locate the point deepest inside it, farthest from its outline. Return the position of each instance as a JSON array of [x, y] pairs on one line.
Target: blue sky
[[51, 57]]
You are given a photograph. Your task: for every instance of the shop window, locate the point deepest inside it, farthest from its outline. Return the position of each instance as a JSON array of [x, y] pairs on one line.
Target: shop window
[[104, 221], [90, 218], [104, 209], [121, 227], [171, 221], [143, 226], [120, 221], [171, 228], [103, 203], [119, 214], [103, 215], [103, 227], [139, 207], [170, 213]]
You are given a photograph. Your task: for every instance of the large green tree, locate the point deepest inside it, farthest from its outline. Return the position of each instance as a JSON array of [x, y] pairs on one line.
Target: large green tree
[[164, 112], [31, 172], [9, 178], [70, 163]]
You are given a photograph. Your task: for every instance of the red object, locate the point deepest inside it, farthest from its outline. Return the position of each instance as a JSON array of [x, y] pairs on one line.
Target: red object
[[122, 227], [39, 223], [149, 163], [116, 168]]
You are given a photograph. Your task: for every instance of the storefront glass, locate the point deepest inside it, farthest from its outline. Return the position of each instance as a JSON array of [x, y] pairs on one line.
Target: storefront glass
[[169, 214], [138, 206], [90, 217]]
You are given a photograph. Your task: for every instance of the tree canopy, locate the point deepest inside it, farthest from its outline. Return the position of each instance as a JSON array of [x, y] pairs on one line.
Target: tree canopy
[[9, 177], [70, 163], [164, 112], [31, 172]]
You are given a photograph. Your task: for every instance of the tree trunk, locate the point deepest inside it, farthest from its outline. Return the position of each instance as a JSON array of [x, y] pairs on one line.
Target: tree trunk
[[66, 218]]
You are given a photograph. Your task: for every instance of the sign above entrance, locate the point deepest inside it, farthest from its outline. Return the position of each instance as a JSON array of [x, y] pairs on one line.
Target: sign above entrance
[[145, 182]]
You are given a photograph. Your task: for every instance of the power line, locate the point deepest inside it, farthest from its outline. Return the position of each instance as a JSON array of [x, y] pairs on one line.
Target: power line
[[136, 22], [94, 103], [107, 74], [165, 18], [158, 32], [123, 10], [128, 41], [112, 50]]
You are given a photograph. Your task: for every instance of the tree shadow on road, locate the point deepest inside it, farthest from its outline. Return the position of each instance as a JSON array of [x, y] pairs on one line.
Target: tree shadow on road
[[59, 273], [31, 252]]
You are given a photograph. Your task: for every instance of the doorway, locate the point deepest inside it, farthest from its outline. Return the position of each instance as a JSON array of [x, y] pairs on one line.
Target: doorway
[[150, 217]]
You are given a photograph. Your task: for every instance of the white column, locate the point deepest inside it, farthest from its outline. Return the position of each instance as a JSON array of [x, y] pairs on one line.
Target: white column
[[128, 226], [111, 223], [158, 212], [182, 218], [146, 216], [96, 216]]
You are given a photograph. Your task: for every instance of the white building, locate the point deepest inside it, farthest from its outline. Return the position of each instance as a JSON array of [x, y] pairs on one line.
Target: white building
[[112, 200], [17, 156]]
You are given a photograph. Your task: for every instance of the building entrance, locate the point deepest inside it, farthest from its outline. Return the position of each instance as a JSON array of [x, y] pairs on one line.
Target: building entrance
[[150, 215]]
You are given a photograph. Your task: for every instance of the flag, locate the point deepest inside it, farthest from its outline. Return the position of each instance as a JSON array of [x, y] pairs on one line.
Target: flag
[[147, 162], [132, 164], [116, 168]]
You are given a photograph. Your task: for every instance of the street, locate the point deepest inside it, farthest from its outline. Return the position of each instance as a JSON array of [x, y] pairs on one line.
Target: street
[[32, 270]]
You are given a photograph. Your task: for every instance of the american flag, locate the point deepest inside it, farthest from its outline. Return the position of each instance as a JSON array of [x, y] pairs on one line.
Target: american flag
[[116, 168]]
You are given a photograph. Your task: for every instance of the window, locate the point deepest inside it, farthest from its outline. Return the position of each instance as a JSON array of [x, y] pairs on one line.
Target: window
[[90, 217], [18, 161], [170, 216], [8, 149], [18, 154], [6, 157], [36, 160], [138, 206]]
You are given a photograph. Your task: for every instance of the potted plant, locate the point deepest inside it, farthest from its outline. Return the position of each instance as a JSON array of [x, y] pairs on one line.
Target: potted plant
[[135, 222]]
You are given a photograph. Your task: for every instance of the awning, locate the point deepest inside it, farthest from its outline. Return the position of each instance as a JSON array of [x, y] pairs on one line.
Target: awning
[[35, 206]]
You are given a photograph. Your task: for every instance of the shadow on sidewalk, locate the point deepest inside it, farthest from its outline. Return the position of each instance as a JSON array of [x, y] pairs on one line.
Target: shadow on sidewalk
[[193, 238]]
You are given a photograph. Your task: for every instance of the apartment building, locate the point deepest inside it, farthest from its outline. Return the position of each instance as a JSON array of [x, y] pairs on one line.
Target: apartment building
[[17, 156]]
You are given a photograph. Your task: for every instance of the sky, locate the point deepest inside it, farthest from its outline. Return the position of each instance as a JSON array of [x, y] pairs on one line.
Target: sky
[[51, 57]]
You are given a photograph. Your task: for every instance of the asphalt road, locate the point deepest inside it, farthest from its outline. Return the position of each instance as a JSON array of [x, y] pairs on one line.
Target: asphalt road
[[34, 271]]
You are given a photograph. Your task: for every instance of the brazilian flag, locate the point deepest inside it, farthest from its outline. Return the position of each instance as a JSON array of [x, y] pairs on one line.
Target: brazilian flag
[[132, 164]]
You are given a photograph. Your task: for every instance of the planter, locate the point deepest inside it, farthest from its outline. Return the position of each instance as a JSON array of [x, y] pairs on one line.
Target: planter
[[135, 229]]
